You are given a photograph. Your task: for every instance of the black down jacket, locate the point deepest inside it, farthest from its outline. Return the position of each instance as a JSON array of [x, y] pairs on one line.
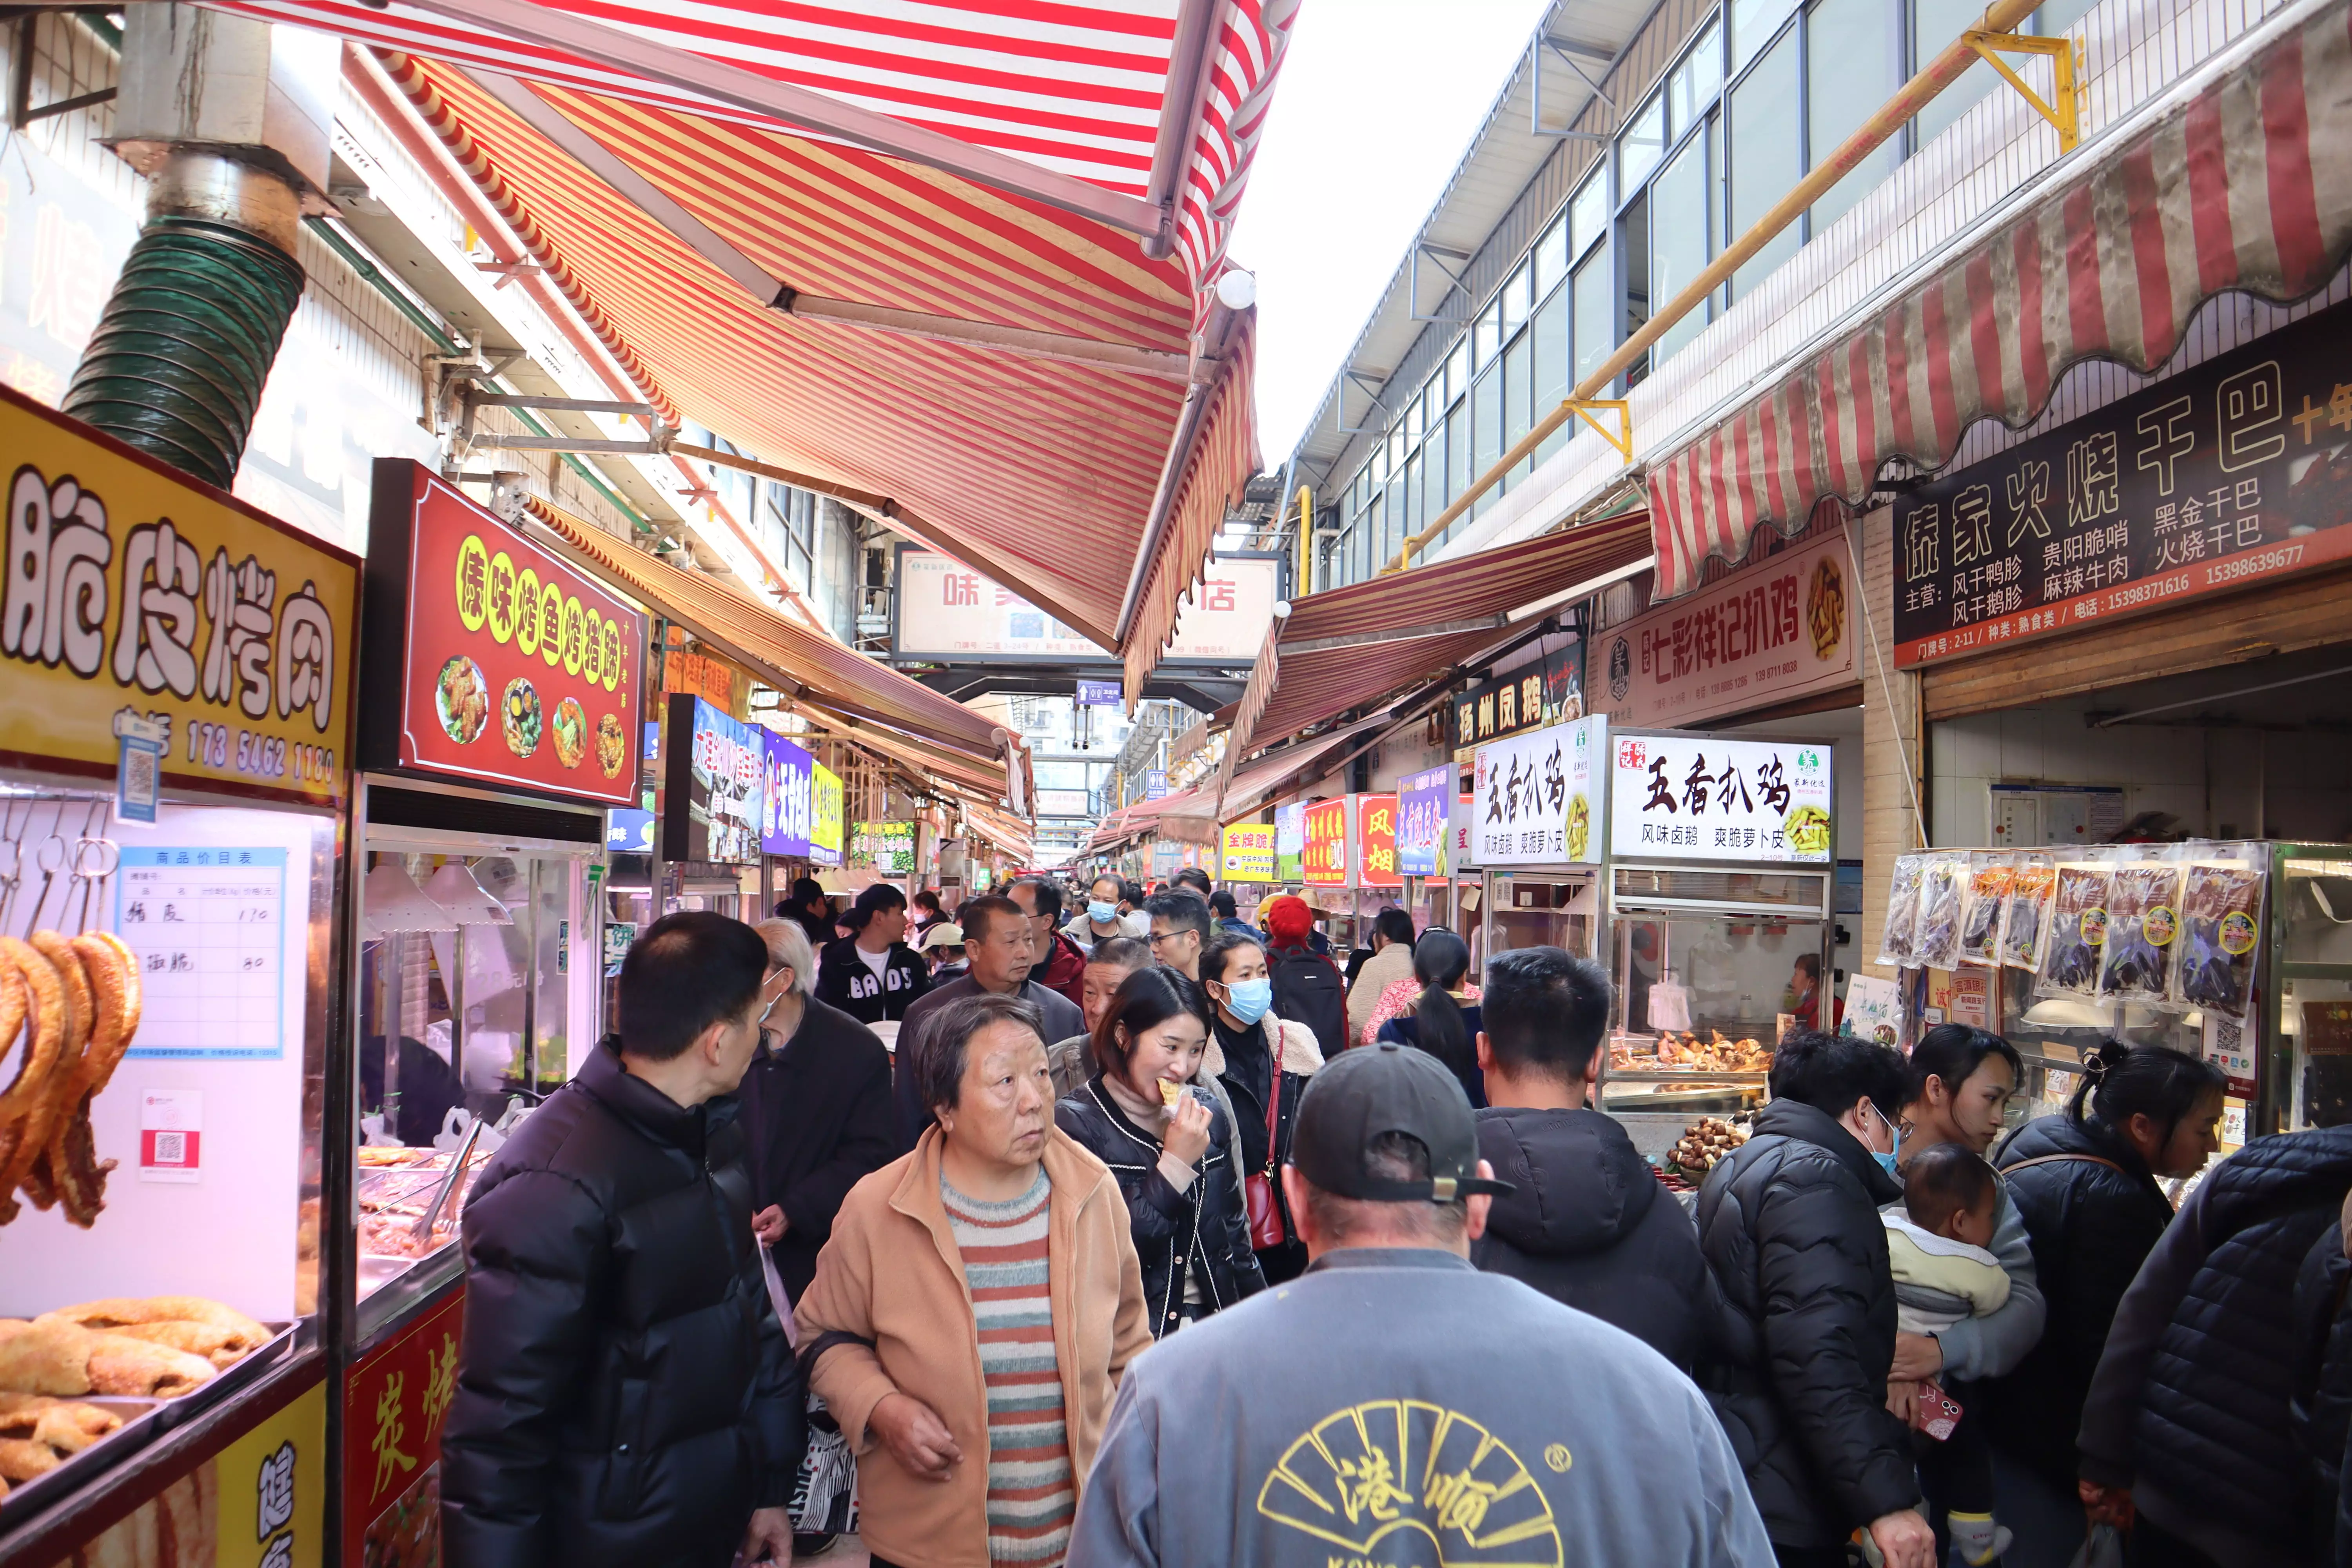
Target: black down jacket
[[1590, 1227], [2093, 1213], [816, 1119], [1203, 1225], [625, 1396], [2323, 1396], [2192, 1405], [1789, 1227]]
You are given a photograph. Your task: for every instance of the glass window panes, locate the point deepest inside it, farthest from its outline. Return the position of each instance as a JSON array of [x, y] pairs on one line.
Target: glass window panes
[[1413, 498], [1458, 450], [1694, 82], [1594, 310], [1549, 337], [1432, 401], [1457, 371], [1514, 301], [1587, 212], [1412, 428], [1641, 144], [1765, 155], [1851, 50], [1753, 23], [1396, 449], [1551, 258], [1934, 25], [1633, 238], [1487, 420], [1488, 333], [1681, 240], [1518, 386], [2057, 16]]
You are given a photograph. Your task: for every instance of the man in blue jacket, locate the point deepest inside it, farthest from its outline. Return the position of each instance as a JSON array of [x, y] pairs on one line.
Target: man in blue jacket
[[1393, 1405]]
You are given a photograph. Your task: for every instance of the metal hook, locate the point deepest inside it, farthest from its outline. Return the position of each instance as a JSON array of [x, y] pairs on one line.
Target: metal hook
[[95, 860]]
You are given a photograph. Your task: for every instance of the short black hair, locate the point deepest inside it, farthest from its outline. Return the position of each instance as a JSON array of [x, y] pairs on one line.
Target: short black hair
[[872, 899], [1048, 896], [687, 971], [1811, 962], [1221, 905], [1187, 910], [1214, 956], [976, 915], [1130, 953], [1118, 888], [1394, 924], [1944, 1181], [1132, 890], [1953, 1052], [940, 1060], [1544, 1011], [1834, 1073], [806, 888], [1193, 876], [927, 900]]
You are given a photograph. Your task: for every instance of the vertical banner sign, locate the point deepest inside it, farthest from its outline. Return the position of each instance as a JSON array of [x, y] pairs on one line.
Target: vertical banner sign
[[1376, 848], [394, 1401], [825, 815], [887, 848], [1289, 842], [1425, 802], [2236, 471], [784, 805], [161, 633], [1325, 862], [1702, 797], [712, 807], [489, 658], [1534, 800], [1249, 852]]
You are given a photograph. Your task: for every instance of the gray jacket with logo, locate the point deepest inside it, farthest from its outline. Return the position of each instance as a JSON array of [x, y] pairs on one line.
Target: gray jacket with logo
[[1397, 1406]]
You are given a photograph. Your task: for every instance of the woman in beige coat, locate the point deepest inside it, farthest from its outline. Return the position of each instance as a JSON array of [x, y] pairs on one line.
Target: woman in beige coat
[[974, 1309]]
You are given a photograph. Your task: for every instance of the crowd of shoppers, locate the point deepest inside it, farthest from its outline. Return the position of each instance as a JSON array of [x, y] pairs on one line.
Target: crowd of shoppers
[[1894, 1326]]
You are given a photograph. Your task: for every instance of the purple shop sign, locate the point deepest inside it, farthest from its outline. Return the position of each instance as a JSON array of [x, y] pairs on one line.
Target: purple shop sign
[[784, 819], [1424, 800]]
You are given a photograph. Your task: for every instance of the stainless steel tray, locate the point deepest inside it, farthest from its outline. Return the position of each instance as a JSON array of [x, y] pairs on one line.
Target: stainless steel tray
[[141, 1424]]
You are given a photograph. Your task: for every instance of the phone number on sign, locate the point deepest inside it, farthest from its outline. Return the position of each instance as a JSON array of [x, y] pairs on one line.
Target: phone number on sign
[[2278, 559]]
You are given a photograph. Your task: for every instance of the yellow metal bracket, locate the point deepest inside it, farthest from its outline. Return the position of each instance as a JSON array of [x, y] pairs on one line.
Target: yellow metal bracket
[[2063, 66], [1623, 436]]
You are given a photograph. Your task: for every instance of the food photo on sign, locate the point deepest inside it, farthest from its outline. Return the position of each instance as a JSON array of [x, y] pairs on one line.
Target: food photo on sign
[[1424, 803], [711, 807]]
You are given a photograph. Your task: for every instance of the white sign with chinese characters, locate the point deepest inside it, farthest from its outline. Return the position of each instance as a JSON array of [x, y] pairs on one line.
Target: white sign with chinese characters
[[1702, 797], [947, 611], [1534, 798], [208, 925]]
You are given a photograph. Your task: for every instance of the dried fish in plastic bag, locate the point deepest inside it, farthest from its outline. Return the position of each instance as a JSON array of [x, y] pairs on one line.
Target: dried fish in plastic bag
[[1981, 902], [2078, 929], [2025, 909], [2143, 922], [2220, 919], [1938, 942], [1895, 943]]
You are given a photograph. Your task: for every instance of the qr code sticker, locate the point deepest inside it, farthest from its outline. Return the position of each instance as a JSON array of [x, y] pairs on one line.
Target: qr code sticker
[[170, 1148]]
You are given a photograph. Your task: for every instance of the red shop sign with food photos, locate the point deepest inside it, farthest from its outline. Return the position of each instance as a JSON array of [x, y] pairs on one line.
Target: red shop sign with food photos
[[395, 1399], [487, 656], [1325, 864], [1376, 860]]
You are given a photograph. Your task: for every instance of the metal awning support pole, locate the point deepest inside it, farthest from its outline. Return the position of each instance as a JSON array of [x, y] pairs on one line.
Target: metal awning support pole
[[1939, 73]]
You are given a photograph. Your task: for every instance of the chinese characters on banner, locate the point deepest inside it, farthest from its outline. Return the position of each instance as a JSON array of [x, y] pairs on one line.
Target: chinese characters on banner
[[133, 593], [1376, 850], [394, 1401], [825, 815], [503, 662], [712, 803], [1424, 800], [1324, 863], [1549, 691], [1768, 633], [887, 848], [1701, 798], [1289, 842], [2238, 470], [1249, 852], [946, 611], [784, 811], [1533, 800]]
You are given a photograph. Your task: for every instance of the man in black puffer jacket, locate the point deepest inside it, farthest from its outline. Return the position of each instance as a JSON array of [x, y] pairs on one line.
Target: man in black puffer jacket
[[1789, 1228], [1586, 1224], [625, 1396], [2189, 1423], [2323, 1397]]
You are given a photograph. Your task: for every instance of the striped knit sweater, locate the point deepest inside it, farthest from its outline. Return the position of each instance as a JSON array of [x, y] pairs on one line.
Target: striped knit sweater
[[1032, 1490]]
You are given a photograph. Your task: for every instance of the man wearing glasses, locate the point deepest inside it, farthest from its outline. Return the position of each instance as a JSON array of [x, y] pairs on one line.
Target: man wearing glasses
[[1180, 928]]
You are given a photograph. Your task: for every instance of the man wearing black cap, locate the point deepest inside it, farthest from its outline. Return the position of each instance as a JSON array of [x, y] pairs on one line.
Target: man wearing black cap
[[1393, 1405]]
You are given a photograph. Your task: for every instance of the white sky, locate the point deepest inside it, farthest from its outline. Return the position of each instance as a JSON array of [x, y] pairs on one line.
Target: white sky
[[1377, 101]]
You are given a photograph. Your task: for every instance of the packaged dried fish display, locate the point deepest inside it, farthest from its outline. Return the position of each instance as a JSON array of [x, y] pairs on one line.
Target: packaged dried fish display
[[2220, 921], [1981, 902], [2078, 929], [2025, 909], [1937, 944], [2143, 922], [1894, 944]]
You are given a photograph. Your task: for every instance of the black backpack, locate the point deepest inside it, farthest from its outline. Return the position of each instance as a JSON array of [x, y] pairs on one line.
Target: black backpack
[[1307, 990]]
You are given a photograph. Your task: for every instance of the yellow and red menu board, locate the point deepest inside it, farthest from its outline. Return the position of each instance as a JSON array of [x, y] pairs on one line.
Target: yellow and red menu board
[[141, 602], [489, 658], [1325, 863]]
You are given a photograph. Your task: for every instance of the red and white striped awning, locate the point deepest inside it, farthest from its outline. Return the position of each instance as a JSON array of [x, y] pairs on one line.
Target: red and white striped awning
[[958, 257], [2247, 185]]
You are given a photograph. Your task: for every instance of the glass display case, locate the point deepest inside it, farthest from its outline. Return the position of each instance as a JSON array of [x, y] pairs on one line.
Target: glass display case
[[1539, 907]]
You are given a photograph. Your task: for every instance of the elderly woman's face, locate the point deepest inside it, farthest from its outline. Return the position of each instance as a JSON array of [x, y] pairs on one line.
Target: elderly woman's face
[[1006, 1102]]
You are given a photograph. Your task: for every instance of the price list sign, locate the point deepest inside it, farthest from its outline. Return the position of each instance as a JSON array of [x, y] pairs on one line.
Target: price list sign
[[208, 926]]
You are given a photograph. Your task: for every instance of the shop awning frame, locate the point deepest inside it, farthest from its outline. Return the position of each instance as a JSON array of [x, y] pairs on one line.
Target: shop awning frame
[[2240, 181]]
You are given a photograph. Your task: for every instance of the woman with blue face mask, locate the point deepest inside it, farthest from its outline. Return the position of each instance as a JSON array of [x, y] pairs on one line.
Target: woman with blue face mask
[[1263, 1062]]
